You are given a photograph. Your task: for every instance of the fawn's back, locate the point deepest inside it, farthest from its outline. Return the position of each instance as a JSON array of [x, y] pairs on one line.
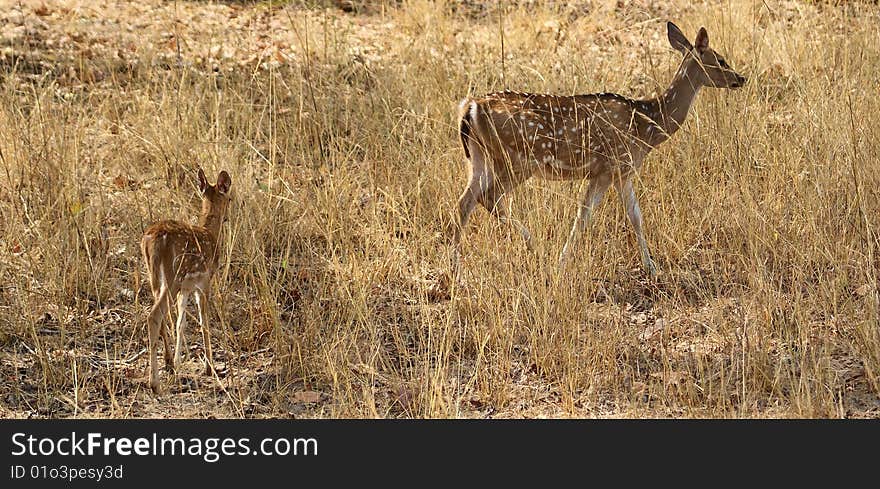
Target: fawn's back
[[179, 254]]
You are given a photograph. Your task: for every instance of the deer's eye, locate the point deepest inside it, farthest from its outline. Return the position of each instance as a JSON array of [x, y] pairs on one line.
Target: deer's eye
[[723, 63]]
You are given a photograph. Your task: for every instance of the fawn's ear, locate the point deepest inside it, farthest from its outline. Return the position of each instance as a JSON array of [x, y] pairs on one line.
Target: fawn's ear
[[702, 40], [224, 181], [203, 181], [677, 38]]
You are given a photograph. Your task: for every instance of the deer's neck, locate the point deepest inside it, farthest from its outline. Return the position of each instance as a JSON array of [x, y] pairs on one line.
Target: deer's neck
[[212, 222], [673, 105]]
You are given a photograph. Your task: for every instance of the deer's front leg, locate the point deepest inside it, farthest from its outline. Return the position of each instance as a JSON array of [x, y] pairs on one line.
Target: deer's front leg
[[592, 198], [202, 303], [634, 213]]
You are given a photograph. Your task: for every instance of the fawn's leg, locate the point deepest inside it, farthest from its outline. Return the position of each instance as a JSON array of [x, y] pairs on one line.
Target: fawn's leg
[[163, 331], [169, 356], [182, 300], [202, 303], [591, 199], [157, 286], [154, 326], [634, 213]]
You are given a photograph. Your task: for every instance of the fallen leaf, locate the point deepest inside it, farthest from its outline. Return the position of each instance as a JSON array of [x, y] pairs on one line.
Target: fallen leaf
[[404, 395], [676, 377], [279, 56], [364, 369], [122, 182], [308, 396], [652, 330], [863, 290], [639, 388]]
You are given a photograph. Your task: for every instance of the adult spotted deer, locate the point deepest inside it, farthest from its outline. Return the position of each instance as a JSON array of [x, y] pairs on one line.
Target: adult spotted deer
[[181, 260], [509, 137]]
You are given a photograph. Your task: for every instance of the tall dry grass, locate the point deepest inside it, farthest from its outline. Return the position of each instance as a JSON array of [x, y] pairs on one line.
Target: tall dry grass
[[762, 215]]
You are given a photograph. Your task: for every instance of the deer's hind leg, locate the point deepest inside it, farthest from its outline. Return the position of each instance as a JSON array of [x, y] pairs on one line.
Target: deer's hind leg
[[480, 180], [169, 355], [163, 331], [493, 200], [155, 325]]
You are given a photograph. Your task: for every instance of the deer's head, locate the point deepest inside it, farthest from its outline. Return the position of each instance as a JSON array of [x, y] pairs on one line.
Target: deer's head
[[703, 64], [215, 198]]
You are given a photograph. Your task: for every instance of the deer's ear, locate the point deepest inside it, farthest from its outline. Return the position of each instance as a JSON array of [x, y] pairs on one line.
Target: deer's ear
[[224, 182], [677, 38], [702, 40], [203, 181]]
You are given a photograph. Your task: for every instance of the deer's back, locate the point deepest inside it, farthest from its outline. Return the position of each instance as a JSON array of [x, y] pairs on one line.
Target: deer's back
[[190, 252], [563, 137]]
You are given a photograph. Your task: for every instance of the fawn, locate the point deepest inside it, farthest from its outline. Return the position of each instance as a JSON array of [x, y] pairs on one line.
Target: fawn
[[509, 136], [181, 260]]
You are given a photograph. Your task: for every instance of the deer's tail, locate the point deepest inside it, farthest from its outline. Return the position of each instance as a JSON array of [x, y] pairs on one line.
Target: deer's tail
[[467, 110], [150, 249]]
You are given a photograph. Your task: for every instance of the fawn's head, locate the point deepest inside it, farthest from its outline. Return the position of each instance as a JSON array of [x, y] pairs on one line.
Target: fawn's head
[[711, 68], [215, 198]]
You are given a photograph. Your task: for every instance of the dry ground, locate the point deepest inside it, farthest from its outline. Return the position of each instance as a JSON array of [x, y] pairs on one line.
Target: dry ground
[[337, 125]]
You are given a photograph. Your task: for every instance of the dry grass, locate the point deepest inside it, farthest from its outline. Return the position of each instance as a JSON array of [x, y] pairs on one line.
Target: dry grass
[[339, 132]]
